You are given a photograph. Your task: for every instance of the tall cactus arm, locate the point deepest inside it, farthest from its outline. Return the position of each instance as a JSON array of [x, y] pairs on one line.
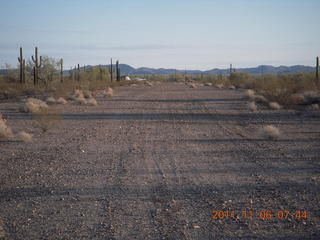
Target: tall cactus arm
[[40, 65]]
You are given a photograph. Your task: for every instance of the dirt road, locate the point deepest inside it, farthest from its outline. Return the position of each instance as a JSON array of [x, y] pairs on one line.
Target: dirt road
[[156, 163]]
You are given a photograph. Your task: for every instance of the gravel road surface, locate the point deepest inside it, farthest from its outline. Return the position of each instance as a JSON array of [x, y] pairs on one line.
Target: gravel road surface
[[162, 162]]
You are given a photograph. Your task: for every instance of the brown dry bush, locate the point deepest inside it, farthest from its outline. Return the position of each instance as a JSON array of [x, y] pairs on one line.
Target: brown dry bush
[[252, 106], [108, 93], [5, 130], [280, 88], [91, 102], [26, 137], [270, 132], [46, 118], [219, 86], [260, 99], [34, 105], [250, 94], [51, 100], [61, 100], [296, 99], [274, 105]]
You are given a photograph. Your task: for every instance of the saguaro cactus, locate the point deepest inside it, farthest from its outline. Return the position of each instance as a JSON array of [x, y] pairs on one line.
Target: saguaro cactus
[[230, 68], [22, 63], [111, 71], [61, 70], [37, 66], [100, 72], [317, 70], [78, 72], [118, 70]]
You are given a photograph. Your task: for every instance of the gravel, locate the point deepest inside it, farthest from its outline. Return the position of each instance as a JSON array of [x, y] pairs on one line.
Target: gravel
[[156, 162]]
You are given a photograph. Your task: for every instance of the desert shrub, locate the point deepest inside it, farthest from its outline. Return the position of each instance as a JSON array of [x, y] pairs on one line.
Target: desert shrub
[[296, 98], [108, 93], [260, 99], [274, 105], [250, 94], [241, 80], [46, 118], [91, 102], [61, 100], [51, 100], [270, 132], [252, 106], [5, 130], [34, 105], [219, 85], [313, 107], [26, 137]]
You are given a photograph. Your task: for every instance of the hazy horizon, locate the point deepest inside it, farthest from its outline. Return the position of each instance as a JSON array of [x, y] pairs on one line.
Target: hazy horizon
[[193, 35]]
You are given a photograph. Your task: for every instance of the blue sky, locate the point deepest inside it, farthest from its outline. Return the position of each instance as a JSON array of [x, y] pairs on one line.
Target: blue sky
[[197, 34]]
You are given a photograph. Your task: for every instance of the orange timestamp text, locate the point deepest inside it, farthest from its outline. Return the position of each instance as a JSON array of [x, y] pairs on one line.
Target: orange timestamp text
[[259, 214]]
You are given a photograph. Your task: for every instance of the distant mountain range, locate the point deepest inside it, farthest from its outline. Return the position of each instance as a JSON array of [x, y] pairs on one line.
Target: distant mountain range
[[262, 69]]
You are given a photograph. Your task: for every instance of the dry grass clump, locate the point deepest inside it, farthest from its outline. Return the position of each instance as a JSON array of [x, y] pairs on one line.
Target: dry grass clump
[[232, 87], [26, 137], [274, 105], [250, 94], [220, 86], [34, 105], [51, 100], [87, 94], [193, 85], [260, 99], [61, 100], [313, 107], [296, 99], [108, 93], [46, 118], [252, 106], [149, 83], [81, 100], [78, 93], [5, 130], [78, 97], [270, 132], [208, 84], [91, 102]]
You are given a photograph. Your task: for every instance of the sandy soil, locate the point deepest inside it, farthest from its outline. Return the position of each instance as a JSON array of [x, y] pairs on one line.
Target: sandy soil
[[156, 163]]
